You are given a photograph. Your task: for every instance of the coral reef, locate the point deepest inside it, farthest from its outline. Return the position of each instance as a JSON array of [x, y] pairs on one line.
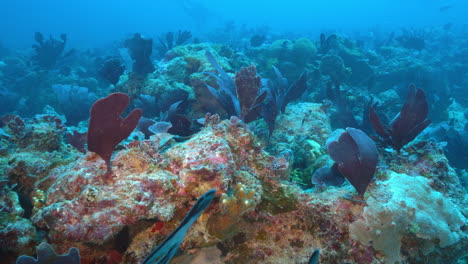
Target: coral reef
[[406, 205], [281, 180]]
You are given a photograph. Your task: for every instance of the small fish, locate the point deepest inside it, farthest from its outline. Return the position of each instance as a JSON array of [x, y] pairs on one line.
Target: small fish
[[445, 8], [167, 249], [314, 259]]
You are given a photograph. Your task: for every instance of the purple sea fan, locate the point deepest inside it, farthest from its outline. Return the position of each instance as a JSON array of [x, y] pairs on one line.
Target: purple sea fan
[[356, 155], [328, 176], [407, 124]]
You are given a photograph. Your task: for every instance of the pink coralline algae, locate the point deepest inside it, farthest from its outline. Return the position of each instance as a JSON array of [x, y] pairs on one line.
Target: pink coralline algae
[[83, 206], [256, 216], [16, 233]]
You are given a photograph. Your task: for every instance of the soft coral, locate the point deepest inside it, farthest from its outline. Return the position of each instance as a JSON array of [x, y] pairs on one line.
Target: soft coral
[[407, 124]]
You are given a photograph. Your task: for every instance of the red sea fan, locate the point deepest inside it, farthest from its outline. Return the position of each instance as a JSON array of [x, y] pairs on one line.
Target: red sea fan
[[106, 126]]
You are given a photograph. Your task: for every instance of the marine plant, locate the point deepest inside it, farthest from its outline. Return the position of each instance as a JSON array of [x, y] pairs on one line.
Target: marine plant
[[356, 155], [179, 124], [73, 100], [106, 126], [170, 40], [140, 50], [407, 124], [241, 96], [48, 51], [327, 176], [280, 95], [46, 255], [76, 139], [111, 69]]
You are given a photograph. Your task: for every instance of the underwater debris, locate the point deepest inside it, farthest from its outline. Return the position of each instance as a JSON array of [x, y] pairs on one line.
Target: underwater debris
[[167, 249], [406, 125], [356, 155], [107, 128], [46, 255]]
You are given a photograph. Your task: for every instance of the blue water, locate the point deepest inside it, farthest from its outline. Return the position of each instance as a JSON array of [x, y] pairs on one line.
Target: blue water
[[96, 23], [389, 78]]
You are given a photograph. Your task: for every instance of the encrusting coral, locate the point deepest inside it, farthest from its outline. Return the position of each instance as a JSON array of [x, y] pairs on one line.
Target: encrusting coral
[[406, 205]]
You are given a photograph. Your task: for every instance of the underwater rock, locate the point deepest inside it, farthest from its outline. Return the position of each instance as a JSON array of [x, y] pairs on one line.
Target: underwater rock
[[41, 133], [333, 66], [427, 159], [80, 193], [303, 128], [82, 209], [17, 234]]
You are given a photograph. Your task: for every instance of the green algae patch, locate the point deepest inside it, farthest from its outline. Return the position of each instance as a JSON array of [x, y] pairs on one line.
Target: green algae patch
[[277, 199]]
